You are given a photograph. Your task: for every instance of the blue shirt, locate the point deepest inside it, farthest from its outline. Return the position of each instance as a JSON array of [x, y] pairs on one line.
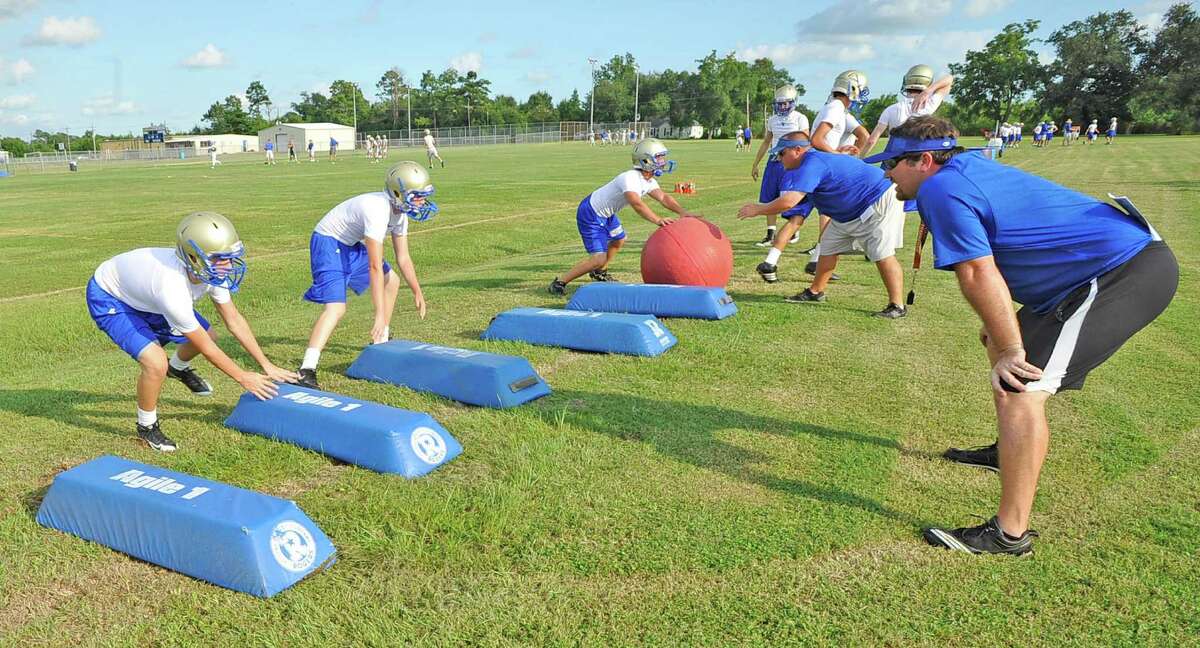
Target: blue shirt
[[270, 146], [841, 187], [1047, 240], [747, 133]]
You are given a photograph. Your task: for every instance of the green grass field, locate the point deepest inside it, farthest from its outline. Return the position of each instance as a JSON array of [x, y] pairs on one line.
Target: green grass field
[[763, 483]]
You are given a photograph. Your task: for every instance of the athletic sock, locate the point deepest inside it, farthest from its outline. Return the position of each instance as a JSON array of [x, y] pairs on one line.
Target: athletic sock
[[773, 256], [146, 419], [770, 231], [178, 363], [311, 358], [815, 255]]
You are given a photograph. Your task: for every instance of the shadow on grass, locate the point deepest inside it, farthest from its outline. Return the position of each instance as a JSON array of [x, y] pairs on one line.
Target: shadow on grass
[[687, 432], [77, 409]]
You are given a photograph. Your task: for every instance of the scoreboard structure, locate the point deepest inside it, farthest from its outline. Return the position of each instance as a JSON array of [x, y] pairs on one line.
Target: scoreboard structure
[[154, 134]]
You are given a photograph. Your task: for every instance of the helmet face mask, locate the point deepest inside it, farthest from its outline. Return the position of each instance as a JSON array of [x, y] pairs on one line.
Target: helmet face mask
[[209, 247], [651, 155], [785, 100], [853, 84], [408, 188]]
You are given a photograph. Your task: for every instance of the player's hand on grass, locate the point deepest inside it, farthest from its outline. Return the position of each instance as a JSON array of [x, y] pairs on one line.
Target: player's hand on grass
[[261, 386], [280, 375], [379, 331], [747, 211], [665, 221], [419, 302], [1010, 367]]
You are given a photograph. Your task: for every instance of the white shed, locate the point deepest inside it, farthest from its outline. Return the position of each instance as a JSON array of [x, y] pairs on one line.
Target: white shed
[[320, 133], [228, 143]]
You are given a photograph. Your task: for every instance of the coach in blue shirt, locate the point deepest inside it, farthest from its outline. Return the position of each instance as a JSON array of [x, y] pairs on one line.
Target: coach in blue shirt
[[1088, 275]]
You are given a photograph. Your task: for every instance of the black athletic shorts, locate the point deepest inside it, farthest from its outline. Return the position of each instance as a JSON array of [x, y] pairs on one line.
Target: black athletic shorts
[[1094, 320]]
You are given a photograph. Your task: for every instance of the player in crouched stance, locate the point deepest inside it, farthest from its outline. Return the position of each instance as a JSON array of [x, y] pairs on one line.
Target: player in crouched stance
[[1089, 276], [596, 216], [346, 251], [143, 300]]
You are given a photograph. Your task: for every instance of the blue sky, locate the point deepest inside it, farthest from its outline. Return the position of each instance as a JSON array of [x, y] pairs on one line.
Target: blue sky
[[122, 65]]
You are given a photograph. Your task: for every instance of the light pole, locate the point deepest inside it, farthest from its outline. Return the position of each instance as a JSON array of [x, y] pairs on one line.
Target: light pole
[[592, 96], [637, 78], [468, 112]]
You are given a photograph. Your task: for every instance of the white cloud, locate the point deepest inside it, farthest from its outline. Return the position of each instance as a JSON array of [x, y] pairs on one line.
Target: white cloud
[[108, 105], [538, 77], [14, 120], [980, 8], [13, 102], [208, 57], [873, 17], [467, 62], [14, 8], [523, 53], [73, 32], [842, 49], [15, 72]]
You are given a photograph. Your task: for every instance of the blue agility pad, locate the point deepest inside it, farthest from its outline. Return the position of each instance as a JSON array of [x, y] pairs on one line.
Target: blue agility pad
[[222, 534], [662, 300], [640, 335], [473, 377], [384, 439]]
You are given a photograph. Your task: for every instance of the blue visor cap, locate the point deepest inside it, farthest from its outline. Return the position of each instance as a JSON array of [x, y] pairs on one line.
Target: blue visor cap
[[898, 146], [786, 144]]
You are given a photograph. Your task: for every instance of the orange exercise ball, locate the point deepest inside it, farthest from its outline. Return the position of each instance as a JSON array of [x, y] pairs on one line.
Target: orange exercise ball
[[689, 252]]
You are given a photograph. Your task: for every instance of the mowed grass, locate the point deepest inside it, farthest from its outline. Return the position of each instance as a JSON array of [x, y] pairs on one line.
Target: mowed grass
[[763, 483]]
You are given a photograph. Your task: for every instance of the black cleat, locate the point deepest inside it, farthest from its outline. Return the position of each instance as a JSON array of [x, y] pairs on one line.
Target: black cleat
[[986, 538], [308, 378], [893, 311], [557, 287], [795, 238], [191, 380], [767, 272], [768, 240], [986, 457], [811, 268], [154, 437], [806, 297], [601, 275]]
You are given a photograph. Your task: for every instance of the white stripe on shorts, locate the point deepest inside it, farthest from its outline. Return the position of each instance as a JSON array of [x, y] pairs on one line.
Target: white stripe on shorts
[[1064, 347]]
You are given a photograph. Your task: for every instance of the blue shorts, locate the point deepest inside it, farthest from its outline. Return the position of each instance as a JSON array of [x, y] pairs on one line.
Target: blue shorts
[[336, 266], [772, 174], [1112, 133], [595, 230], [129, 328], [1018, 137], [1091, 136]]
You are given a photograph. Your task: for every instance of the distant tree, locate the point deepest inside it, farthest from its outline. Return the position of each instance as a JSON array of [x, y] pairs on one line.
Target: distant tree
[[256, 96], [391, 89], [1094, 75], [16, 146], [539, 108], [1168, 98], [572, 108], [874, 108], [228, 116], [345, 100], [994, 79]]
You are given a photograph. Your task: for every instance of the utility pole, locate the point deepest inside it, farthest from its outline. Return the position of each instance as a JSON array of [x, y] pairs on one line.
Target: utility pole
[[408, 96], [468, 111], [637, 78], [354, 96], [592, 96], [747, 109]]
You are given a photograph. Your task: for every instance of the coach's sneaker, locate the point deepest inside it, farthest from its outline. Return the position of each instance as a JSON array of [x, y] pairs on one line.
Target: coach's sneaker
[[154, 437], [811, 268], [893, 311], [806, 297], [557, 287], [986, 538], [767, 272], [308, 378], [986, 457], [601, 275], [768, 240], [191, 380]]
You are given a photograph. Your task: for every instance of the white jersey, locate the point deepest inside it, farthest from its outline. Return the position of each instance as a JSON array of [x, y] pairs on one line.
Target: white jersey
[[154, 280], [852, 125], [610, 199], [834, 114], [429, 142], [778, 126], [366, 215], [1092, 128], [896, 114]]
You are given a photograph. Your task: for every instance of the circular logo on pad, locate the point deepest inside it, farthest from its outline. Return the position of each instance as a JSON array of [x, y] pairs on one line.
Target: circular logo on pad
[[293, 546], [428, 445]]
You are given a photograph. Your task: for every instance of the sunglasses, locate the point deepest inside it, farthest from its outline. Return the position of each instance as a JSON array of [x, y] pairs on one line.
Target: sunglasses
[[888, 165]]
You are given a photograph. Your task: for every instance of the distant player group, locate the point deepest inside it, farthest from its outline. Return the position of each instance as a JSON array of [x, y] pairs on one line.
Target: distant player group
[[1088, 273], [1044, 132]]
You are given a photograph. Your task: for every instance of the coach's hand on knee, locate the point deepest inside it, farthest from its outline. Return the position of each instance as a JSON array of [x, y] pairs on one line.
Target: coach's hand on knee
[[1010, 367]]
